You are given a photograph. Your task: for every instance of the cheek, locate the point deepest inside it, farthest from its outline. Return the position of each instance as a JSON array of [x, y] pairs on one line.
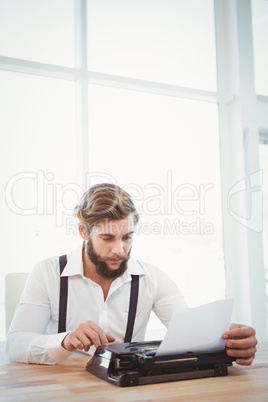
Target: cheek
[[102, 249], [128, 246]]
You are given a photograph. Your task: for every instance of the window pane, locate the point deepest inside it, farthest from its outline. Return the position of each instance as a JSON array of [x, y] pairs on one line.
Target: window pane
[[165, 152], [260, 41], [37, 145], [163, 41], [38, 30]]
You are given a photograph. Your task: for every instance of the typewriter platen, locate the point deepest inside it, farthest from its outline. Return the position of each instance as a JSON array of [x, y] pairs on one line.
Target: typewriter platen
[[128, 364]]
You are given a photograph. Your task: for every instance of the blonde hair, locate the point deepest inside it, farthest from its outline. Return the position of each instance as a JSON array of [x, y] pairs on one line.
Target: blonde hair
[[104, 201]]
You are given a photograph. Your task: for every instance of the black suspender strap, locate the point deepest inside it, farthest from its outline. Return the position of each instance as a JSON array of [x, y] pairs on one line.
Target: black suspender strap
[[63, 296], [134, 292]]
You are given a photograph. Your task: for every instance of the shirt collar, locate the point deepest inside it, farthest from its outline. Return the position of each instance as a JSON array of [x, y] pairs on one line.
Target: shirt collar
[[74, 265], [134, 267]]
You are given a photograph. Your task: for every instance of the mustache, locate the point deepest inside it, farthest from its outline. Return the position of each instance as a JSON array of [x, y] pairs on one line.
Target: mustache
[[122, 257]]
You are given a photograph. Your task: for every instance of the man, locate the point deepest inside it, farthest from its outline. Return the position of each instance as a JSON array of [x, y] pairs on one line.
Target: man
[[100, 278]]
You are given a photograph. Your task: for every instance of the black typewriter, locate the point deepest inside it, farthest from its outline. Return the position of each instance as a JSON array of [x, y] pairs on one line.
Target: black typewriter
[[129, 364]]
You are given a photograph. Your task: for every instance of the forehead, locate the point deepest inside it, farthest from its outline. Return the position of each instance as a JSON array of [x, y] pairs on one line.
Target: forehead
[[116, 227]]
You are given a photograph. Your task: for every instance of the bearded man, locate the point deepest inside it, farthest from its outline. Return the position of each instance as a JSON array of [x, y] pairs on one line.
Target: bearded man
[[98, 293]]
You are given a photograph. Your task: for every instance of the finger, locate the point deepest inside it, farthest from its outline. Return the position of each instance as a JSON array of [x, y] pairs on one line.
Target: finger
[[79, 339], [240, 332], [245, 362], [85, 341], [243, 353], [86, 335], [96, 334], [242, 343], [74, 342], [95, 338]]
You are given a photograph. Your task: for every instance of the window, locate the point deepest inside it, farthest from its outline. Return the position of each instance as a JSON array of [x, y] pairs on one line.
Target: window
[[141, 111], [37, 30], [171, 42], [38, 167], [260, 42], [164, 159]]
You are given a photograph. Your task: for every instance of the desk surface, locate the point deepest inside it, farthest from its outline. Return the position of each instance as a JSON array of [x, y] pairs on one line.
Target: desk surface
[[70, 381]]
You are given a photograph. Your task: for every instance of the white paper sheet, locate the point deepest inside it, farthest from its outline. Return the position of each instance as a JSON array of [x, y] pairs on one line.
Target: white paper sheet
[[198, 329]]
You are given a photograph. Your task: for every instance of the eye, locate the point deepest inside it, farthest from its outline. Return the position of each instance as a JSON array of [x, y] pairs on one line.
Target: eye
[[107, 238], [127, 237]]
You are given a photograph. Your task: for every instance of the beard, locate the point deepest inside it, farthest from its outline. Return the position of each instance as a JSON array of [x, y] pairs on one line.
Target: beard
[[100, 263]]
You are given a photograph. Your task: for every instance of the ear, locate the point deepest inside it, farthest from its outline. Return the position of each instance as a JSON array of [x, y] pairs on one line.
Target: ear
[[83, 232]]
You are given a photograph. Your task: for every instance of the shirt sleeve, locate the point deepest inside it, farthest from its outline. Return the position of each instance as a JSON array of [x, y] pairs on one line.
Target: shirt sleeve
[[167, 297], [26, 339]]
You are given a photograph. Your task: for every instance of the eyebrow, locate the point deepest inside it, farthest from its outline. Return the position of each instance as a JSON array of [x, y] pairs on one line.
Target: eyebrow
[[111, 235]]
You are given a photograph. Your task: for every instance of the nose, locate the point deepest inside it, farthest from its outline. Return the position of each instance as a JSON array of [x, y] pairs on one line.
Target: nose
[[118, 247]]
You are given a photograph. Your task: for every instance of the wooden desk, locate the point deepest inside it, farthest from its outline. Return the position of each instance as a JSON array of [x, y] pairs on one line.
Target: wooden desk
[[71, 382]]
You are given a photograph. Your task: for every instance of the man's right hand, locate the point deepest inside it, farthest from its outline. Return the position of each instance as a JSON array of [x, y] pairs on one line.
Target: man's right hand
[[84, 336]]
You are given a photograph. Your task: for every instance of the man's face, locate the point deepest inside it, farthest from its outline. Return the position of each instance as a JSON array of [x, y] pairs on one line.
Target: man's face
[[109, 246]]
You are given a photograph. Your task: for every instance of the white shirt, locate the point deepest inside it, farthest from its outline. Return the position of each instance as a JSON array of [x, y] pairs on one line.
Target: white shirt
[[33, 337]]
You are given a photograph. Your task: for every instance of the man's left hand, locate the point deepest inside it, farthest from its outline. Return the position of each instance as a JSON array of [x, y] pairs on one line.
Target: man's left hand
[[242, 339]]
